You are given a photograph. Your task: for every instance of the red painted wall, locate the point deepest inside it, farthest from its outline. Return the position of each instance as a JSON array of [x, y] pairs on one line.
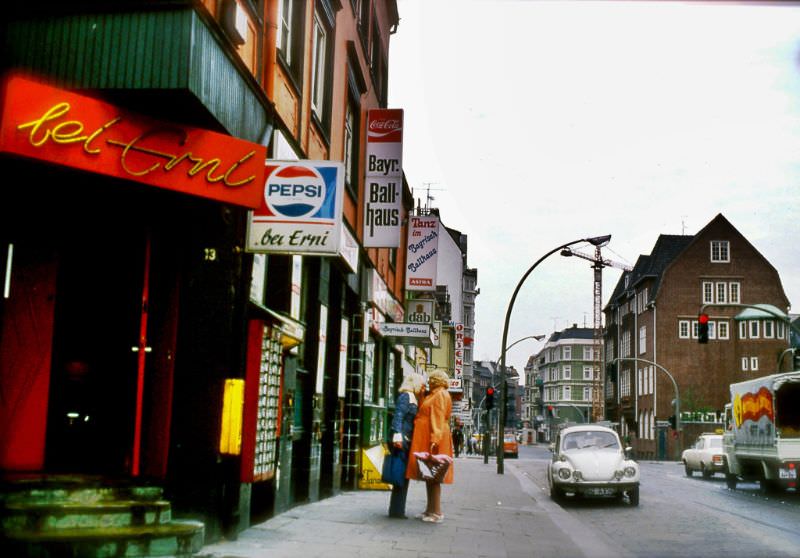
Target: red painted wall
[[25, 352]]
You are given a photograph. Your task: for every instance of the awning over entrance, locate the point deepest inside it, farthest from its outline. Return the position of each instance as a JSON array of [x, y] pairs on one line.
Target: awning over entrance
[[763, 312]]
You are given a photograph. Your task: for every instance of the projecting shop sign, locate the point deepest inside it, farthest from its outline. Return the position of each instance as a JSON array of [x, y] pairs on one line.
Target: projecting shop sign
[[422, 250], [300, 211], [383, 184]]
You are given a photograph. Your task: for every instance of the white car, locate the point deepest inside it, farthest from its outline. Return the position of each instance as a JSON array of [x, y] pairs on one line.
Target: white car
[[704, 456], [588, 460]]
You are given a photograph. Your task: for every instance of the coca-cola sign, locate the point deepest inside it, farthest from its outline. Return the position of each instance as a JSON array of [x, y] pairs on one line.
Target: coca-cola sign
[[385, 126], [383, 178]]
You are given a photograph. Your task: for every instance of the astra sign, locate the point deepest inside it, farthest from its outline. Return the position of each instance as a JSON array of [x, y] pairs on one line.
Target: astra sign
[[301, 209]]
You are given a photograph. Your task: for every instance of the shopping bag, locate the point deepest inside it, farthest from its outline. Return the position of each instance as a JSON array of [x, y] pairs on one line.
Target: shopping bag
[[394, 468], [432, 467]]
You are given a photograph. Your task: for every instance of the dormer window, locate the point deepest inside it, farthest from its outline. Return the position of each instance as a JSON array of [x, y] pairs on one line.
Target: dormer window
[[720, 251]]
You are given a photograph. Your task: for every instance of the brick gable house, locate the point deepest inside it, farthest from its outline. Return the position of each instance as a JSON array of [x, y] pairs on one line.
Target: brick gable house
[[652, 316]]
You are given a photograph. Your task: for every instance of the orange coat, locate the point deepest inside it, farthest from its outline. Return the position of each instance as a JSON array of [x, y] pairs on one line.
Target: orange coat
[[432, 426]]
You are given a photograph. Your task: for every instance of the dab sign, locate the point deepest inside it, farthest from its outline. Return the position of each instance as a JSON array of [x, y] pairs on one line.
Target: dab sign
[[301, 209], [419, 311]]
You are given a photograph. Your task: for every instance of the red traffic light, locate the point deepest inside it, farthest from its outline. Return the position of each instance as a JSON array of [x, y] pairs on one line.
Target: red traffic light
[[490, 391], [703, 318]]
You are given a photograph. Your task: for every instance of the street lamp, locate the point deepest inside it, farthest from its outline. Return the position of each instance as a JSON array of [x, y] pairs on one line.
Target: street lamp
[[594, 241]]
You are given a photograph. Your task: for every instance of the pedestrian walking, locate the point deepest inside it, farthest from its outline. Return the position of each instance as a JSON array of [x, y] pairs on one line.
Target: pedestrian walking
[[458, 439], [432, 434], [405, 410]]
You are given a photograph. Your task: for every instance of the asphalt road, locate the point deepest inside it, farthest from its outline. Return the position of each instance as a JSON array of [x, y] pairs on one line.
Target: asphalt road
[[677, 516]]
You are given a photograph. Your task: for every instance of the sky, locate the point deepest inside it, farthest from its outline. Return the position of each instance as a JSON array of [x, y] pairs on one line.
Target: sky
[[537, 123]]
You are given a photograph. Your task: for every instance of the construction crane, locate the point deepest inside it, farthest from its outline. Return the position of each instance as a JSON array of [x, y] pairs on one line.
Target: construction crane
[[598, 263]]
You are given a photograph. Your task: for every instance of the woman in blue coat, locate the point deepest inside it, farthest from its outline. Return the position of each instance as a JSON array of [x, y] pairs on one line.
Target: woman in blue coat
[[405, 409]]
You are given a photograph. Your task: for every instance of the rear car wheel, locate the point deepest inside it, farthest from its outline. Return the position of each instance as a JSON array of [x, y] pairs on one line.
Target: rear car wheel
[[707, 473], [731, 481], [687, 469]]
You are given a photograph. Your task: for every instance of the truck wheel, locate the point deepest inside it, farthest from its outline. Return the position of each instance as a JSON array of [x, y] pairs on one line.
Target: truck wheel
[[687, 469], [731, 480]]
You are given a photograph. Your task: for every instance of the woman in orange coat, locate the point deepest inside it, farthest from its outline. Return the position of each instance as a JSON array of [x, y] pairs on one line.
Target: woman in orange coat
[[432, 434]]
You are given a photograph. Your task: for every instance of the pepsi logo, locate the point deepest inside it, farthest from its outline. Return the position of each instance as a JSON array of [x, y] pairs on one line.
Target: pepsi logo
[[295, 191]]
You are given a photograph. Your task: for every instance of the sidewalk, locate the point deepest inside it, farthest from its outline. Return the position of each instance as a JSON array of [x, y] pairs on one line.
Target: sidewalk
[[486, 515]]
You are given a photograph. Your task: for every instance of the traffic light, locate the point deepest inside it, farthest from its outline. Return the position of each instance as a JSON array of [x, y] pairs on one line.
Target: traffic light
[[551, 411], [489, 398], [672, 422], [702, 328]]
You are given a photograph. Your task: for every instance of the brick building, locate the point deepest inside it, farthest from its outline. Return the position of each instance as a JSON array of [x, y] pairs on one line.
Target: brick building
[[135, 321], [652, 315]]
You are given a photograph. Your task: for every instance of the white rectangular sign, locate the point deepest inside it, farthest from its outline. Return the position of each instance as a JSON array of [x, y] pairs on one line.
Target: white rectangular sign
[[422, 250], [458, 366], [301, 209], [383, 183]]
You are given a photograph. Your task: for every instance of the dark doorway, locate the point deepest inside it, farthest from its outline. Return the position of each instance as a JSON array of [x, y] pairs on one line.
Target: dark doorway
[[91, 413]]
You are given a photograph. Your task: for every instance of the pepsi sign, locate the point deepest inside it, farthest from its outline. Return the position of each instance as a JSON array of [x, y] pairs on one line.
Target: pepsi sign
[[301, 209], [296, 191]]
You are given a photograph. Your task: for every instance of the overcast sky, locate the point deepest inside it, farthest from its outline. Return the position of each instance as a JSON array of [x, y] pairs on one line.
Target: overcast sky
[[537, 123]]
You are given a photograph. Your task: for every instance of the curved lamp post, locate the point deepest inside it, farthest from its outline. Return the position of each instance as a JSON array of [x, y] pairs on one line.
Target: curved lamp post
[[594, 241]]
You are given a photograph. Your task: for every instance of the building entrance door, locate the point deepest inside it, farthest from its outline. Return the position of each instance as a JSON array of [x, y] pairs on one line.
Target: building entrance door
[[101, 301]]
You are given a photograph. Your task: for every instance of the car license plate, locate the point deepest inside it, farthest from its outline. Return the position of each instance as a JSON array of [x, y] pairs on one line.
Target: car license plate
[[787, 473], [600, 491]]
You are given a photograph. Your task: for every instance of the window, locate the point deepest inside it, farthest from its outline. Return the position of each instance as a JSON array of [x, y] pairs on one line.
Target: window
[[566, 353], [779, 330], [694, 329], [587, 372], [769, 329], [290, 40], [587, 353], [683, 329], [712, 330], [587, 393], [625, 346], [642, 339], [567, 393], [754, 364], [567, 372], [351, 126], [722, 330], [708, 292], [319, 72], [722, 292], [745, 363], [733, 291], [742, 330], [720, 251], [754, 329]]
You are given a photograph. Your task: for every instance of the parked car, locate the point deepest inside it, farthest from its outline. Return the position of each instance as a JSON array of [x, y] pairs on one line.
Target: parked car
[[705, 456], [589, 460], [510, 445]]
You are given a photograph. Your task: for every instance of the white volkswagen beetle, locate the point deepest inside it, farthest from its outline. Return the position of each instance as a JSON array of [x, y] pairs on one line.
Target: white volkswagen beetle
[[588, 460]]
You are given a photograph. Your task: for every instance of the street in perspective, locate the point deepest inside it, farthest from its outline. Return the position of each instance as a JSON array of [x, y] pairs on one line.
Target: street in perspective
[[513, 515], [399, 278]]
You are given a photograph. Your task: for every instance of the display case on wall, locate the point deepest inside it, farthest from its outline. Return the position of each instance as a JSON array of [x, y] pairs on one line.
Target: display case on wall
[[262, 412]]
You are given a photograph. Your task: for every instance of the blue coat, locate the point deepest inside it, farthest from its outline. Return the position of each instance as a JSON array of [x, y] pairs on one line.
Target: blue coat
[[403, 420]]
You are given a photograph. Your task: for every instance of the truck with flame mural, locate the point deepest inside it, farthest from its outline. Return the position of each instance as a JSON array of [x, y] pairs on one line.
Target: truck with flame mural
[[762, 432]]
